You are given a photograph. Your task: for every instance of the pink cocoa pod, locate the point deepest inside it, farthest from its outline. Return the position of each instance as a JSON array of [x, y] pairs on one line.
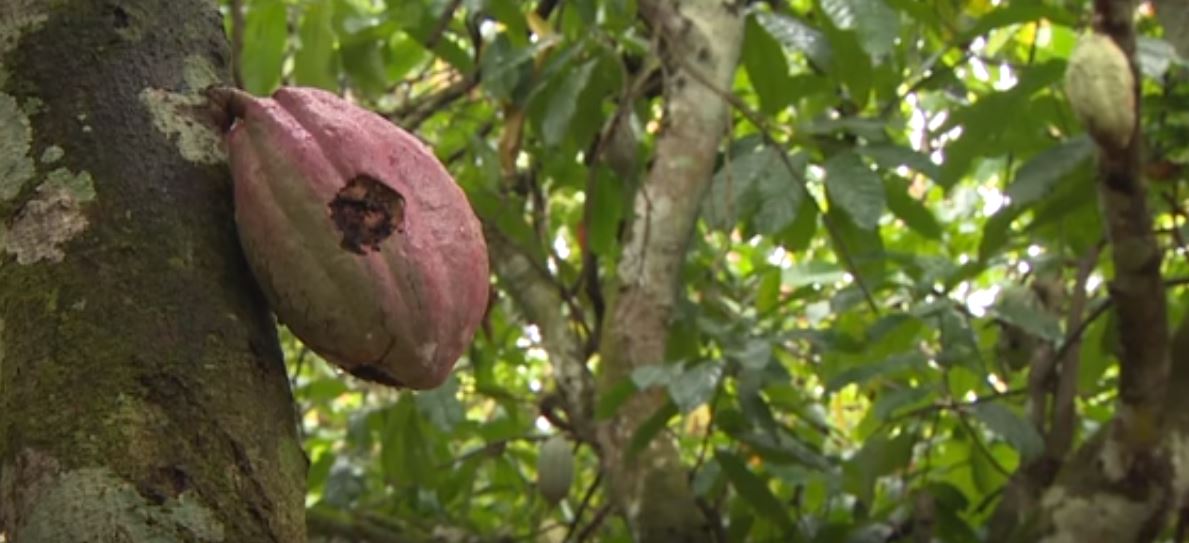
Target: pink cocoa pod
[[361, 241]]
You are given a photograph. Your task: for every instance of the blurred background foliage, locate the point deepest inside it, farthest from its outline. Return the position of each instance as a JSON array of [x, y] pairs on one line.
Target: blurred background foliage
[[855, 325]]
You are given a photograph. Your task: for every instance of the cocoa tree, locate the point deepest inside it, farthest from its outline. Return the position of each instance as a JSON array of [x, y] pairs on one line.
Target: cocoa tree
[[143, 395], [761, 271]]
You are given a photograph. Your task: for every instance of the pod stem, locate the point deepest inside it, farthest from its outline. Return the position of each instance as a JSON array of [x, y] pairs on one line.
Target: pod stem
[[228, 104]]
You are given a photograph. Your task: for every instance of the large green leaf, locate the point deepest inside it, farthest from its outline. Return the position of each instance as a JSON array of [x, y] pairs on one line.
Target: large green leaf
[[563, 103], [798, 36], [695, 386], [266, 31], [1012, 427], [753, 489], [876, 24], [879, 456], [755, 182], [766, 67], [315, 62], [910, 210], [856, 189], [1037, 177]]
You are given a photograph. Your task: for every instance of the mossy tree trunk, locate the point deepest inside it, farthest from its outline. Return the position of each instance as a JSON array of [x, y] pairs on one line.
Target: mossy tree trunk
[[142, 391]]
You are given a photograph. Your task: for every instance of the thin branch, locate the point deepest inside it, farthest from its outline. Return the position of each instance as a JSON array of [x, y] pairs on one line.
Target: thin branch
[[443, 21], [415, 112], [1064, 421], [982, 447], [597, 521], [586, 497]]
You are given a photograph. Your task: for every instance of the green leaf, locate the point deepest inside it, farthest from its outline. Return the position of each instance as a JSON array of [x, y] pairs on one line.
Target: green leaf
[[695, 386], [768, 293], [958, 343], [813, 273], [863, 373], [1012, 427], [995, 124], [509, 13], [1020, 307], [323, 390], [314, 62], [876, 24], [879, 456], [781, 448], [504, 66], [1155, 56], [755, 179], [316, 478], [406, 456], [852, 64], [610, 400], [856, 189], [797, 36], [889, 157], [780, 195], [649, 429], [910, 210], [890, 403], [363, 61], [602, 227], [1020, 12], [265, 29], [997, 231], [441, 406], [754, 354], [563, 103], [1039, 175], [403, 55], [652, 375], [766, 67], [753, 489], [797, 236]]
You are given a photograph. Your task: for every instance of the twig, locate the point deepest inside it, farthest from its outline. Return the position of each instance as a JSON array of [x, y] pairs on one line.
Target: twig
[[590, 490], [597, 521], [1064, 419], [982, 447], [412, 114], [443, 21]]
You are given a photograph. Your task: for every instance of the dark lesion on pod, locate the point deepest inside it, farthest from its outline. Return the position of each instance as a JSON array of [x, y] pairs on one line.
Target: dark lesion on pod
[[366, 212]]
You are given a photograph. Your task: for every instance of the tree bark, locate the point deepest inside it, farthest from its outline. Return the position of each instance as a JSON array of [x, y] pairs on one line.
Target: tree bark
[[142, 391], [1123, 482], [652, 487]]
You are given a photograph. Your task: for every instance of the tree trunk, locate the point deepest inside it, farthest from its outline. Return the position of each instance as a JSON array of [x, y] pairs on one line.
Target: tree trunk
[[700, 43], [142, 391]]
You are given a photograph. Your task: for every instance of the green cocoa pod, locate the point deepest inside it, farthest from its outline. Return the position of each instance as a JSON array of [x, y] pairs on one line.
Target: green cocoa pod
[[555, 469], [1100, 87]]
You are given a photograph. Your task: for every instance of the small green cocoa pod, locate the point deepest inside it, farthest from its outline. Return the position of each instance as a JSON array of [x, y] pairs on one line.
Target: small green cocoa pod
[[1100, 87], [555, 469]]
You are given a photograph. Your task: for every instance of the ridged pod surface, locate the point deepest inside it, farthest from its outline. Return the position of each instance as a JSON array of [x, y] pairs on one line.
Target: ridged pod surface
[[1100, 88], [361, 241]]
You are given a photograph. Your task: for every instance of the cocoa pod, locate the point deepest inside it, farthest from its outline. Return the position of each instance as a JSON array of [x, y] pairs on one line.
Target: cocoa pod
[[555, 469], [1101, 90], [362, 243]]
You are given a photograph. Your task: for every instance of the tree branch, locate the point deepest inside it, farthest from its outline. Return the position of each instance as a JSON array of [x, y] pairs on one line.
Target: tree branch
[[540, 301], [654, 491]]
